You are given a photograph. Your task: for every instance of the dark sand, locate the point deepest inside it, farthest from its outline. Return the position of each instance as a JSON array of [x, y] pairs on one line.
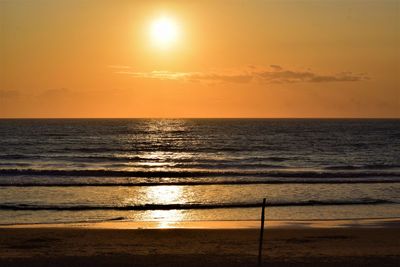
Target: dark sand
[[41, 246]]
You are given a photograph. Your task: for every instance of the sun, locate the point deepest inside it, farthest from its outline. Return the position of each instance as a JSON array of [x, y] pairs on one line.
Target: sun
[[164, 32]]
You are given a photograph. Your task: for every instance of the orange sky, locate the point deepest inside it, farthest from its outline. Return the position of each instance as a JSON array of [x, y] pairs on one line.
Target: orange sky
[[71, 58]]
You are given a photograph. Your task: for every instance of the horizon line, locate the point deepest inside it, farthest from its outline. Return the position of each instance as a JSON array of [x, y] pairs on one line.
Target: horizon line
[[187, 118]]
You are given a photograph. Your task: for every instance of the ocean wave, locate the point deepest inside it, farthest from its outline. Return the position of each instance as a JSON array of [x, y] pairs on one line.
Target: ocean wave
[[142, 147], [116, 182], [187, 206], [364, 167], [250, 161], [18, 156], [197, 173]]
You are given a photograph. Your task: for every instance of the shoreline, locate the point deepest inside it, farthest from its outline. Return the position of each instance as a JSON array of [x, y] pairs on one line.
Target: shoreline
[[249, 224]]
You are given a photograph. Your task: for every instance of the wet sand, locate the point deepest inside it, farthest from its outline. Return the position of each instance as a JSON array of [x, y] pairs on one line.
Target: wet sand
[[371, 245]]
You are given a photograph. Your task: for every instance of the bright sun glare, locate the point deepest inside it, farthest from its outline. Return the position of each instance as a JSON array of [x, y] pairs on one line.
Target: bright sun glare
[[164, 32]]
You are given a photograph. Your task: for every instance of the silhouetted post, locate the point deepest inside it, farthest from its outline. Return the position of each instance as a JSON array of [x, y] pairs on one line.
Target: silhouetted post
[[261, 234]]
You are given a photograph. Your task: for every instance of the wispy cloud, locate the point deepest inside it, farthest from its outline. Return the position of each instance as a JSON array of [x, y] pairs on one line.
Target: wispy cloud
[[54, 93], [119, 67], [9, 93], [160, 75], [270, 74]]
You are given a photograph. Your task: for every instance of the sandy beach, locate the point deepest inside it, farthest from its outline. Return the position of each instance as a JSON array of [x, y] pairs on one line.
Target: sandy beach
[[296, 245]]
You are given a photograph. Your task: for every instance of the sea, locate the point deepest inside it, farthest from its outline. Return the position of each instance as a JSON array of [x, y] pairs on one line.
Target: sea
[[98, 170]]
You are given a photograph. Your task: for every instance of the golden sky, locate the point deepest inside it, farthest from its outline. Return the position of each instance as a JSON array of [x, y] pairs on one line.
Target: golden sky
[[94, 58]]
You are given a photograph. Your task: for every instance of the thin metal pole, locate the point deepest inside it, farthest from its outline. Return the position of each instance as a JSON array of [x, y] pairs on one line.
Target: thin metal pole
[[261, 233]]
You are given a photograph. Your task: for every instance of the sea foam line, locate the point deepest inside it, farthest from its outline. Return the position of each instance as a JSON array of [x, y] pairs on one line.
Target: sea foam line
[[186, 206], [186, 173], [202, 183]]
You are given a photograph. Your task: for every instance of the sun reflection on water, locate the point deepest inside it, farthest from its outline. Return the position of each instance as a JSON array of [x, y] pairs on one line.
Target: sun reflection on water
[[166, 151], [167, 218], [165, 195]]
